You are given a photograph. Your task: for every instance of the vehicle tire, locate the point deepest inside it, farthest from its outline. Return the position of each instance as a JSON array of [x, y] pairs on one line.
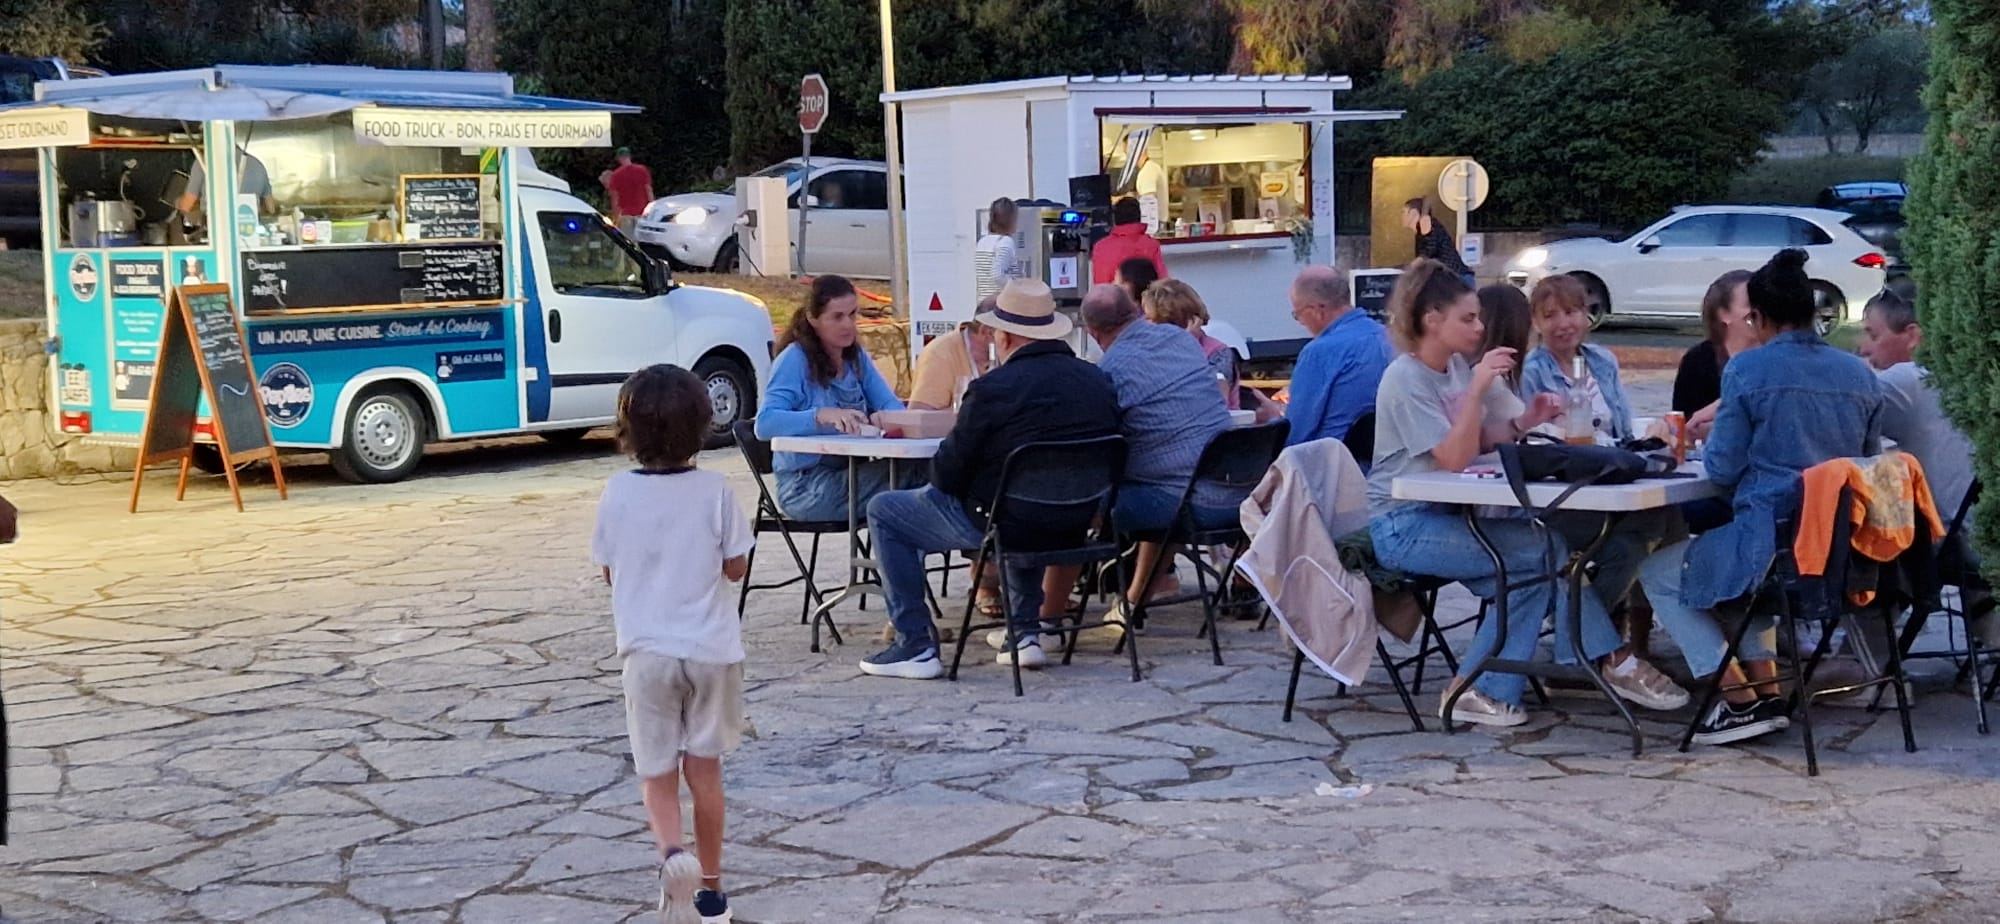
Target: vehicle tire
[[385, 438], [563, 437], [733, 393], [1596, 298], [727, 257], [1829, 308], [208, 458]]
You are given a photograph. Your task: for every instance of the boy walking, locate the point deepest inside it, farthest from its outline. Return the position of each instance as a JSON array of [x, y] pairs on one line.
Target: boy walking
[[670, 539]]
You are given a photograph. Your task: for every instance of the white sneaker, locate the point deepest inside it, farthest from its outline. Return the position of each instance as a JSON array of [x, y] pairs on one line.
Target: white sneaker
[[996, 639], [680, 876], [1030, 651], [1120, 614]]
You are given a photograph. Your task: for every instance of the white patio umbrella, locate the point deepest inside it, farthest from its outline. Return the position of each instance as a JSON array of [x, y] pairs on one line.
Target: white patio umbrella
[[230, 103]]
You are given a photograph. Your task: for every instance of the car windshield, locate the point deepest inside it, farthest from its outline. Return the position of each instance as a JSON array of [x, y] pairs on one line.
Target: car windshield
[[790, 170]]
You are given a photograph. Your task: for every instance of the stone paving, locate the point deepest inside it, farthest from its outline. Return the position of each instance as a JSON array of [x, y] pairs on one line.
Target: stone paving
[[399, 704]]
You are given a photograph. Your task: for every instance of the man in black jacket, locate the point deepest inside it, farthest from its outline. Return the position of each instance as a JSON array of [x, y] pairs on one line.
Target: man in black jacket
[[1040, 393]]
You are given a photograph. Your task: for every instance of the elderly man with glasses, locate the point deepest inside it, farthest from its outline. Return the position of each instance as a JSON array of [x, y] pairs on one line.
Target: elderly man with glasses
[[1334, 380]]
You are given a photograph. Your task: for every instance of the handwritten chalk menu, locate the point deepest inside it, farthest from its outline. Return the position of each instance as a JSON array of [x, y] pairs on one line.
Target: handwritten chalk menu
[[442, 207], [371, 276], [202, 355], [1372, 288]]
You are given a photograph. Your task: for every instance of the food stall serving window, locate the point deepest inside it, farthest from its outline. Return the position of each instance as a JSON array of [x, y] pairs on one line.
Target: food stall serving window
[[1199, 180], [326, 188], [123, 189]]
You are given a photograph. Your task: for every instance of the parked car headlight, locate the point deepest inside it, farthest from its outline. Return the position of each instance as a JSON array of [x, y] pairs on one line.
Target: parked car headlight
[[1532, 258], [693, 216]]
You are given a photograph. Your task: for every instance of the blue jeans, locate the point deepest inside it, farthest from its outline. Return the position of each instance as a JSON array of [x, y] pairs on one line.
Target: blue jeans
[[820, 492], [1150, 508], [1696, 630], [906, 526], [1437, 542]]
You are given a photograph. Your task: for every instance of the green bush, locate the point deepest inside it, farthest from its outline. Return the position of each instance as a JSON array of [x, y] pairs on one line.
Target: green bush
[[1954, 238], [1615, 131], [1797, 181]]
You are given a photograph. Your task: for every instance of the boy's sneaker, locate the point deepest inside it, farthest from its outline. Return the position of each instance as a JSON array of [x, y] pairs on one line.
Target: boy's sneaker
[[680, 876], [713, 907], [1030, 650], [1728, 722], [907, 660]]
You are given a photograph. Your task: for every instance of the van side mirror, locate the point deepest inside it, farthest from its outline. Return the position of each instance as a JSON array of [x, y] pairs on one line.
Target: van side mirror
[[1650, 244], [659, 277]]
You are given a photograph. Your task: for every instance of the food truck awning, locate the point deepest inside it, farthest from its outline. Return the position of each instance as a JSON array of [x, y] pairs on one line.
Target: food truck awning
[[404, 108]]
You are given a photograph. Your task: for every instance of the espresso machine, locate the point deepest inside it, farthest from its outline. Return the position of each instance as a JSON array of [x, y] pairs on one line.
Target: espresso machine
[[103, 223]]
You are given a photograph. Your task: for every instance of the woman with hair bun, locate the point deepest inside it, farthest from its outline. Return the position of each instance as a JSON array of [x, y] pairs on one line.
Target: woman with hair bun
[[1436, 412], [1786, 406]]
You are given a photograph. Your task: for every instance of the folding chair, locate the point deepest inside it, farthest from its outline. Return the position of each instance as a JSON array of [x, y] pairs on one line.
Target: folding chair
[[1955, 569], [1822, 600], [771, 519], [1230, 466], [1430, 643], [1053, 508]]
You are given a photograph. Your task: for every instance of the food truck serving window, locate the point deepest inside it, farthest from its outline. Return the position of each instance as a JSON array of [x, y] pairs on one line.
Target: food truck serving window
[[1211, 179], [327, 189], [125, 188]]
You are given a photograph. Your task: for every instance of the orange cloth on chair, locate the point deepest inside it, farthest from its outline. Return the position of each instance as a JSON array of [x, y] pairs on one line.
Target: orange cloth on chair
[[1891, 499]]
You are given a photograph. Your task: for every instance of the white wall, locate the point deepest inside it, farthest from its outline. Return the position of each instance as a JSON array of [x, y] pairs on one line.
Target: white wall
[[959, 155]]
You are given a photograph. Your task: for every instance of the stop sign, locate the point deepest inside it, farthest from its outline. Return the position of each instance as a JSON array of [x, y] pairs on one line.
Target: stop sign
[[813, 98]]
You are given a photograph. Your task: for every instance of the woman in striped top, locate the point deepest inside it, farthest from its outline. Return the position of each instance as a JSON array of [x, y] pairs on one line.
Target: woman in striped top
[[993, 257]]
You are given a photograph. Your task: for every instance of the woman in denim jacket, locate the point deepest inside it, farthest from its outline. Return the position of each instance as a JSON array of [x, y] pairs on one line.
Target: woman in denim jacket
[[1560, 308], [1436, 412], [1786, 406], [823, 383]]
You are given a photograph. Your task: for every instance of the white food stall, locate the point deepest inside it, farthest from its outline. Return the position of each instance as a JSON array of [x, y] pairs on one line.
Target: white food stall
[[1234, 176]]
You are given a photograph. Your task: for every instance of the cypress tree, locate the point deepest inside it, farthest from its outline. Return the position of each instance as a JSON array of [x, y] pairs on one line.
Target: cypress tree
[[1953, 239]]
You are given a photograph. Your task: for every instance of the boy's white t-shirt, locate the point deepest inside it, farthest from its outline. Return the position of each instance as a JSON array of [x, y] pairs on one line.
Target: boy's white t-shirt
[[665, 537]]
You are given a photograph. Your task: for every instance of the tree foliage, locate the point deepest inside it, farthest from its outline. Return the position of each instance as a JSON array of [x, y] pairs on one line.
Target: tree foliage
[[1615, 130], [50, 28], [1953, 240], [1877, 81]]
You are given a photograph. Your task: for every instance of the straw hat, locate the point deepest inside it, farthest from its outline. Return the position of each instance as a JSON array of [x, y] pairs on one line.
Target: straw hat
[[1026, 309]]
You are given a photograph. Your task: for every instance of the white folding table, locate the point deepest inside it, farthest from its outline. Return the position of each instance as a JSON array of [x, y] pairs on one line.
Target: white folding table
[[1469, 492], [856, 449]]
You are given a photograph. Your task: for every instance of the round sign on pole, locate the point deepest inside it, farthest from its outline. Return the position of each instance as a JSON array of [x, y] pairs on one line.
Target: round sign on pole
[[1462, 185], [813, 99]]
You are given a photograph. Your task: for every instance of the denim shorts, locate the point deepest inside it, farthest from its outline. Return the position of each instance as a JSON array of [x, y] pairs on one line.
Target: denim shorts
[[1151, 508]]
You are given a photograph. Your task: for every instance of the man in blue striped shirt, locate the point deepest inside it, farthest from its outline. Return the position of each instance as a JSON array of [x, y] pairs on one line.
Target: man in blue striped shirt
[[1335, 378], [1169, 406]]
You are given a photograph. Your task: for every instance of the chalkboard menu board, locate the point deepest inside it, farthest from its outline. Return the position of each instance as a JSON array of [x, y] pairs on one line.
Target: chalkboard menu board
[[202, 353], [372, 275], [442, 207], [1372, 288], [234, 398]]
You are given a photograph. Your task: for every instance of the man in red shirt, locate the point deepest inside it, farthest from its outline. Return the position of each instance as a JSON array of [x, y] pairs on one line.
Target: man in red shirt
[[631, 188], [1128, 239]]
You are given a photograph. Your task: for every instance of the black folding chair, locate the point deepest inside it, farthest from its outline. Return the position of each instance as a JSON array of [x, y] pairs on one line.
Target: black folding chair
[[1230, 467], [1955, 569], [1053, 509], [1821, 601], [1430, 643], [1360, 440], [771, 519]]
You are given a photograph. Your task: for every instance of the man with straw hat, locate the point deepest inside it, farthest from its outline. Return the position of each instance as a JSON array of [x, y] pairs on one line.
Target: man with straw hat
[[1040, 392]]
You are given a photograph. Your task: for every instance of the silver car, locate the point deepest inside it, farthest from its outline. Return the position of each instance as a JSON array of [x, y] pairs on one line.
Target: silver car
[[848, 229]]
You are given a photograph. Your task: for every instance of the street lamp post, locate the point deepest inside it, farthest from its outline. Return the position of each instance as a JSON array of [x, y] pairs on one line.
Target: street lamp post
[[892, 138]]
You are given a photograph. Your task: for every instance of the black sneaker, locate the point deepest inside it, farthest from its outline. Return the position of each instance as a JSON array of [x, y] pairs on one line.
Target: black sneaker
[[1728, 723], [713, 907], [1776, 708], [907, 660]]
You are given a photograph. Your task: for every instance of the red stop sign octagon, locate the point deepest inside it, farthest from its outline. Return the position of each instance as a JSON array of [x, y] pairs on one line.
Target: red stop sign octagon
[[813, 99]]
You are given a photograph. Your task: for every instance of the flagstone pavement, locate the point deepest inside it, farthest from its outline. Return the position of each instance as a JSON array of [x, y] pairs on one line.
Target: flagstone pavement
[[400, 704]]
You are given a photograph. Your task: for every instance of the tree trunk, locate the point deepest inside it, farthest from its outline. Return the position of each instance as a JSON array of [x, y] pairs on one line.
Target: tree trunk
[[434, 33], [482, 39]]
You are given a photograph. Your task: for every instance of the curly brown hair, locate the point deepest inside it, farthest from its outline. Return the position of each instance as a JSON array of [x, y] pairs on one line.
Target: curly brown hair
[[663, 416], [1172, 301], [825, 289]]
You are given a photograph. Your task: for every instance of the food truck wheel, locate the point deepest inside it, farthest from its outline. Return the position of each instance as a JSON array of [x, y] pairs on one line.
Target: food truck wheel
[[563, 437], [729, 392], [385, 438]]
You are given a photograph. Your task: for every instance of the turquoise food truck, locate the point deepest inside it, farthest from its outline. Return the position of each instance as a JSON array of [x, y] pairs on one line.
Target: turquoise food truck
[[403, 271]]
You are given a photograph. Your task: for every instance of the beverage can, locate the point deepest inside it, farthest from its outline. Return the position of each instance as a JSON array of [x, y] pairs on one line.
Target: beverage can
[[1677, 433]]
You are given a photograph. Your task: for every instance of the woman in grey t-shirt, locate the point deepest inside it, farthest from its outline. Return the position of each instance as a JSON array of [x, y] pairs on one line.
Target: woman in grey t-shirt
[[1434, 411]]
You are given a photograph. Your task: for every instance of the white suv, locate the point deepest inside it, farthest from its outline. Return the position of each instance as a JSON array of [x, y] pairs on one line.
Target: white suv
[[848, 231], [1662, 271]]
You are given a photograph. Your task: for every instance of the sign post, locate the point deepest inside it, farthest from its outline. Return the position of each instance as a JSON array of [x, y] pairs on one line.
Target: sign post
[[202, 354], [1462, 185], [813, 99]]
